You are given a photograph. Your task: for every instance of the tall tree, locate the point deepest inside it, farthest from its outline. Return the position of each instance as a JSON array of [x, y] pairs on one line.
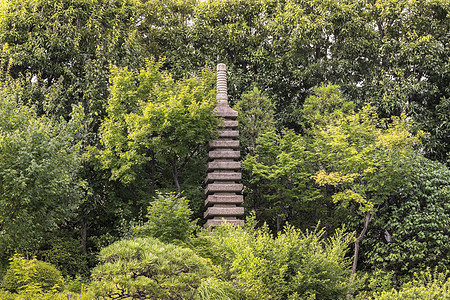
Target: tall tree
[[69, 43], [358, 155], [39, 164], [155, 122]]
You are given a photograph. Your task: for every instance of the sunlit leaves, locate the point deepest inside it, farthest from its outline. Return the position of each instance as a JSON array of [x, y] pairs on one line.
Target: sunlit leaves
[[152, 116]]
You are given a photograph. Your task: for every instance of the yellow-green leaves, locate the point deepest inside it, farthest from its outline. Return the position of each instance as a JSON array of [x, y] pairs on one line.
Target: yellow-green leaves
[[150, 116], [356, 152]]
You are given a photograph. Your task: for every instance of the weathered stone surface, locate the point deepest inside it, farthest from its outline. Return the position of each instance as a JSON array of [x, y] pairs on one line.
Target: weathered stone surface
[[225, 111], [224, 187], [231, 211], [224, 199], [223, 176], [224, 154], [224, 144], [215, 222], [228, 134], [224, 165], [229, 124]]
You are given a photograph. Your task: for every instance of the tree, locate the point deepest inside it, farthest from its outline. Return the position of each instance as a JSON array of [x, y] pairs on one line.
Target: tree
[[358, 155], [256, 115], [280, 179], [71, 44], [146, 268], [168, 219], [410, 231], [154, 121], [39, 161]]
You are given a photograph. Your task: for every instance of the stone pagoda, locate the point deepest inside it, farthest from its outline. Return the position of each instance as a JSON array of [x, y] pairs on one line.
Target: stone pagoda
[[224, 189]]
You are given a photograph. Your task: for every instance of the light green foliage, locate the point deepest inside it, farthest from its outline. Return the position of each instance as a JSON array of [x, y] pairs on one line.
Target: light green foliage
[[357, 153], [280, 177], [426, 285], [32, 276], [366, 284], [152, 117], [212, 288], [145, 268], [39, 161], [292, 265], [168, 219], [416, 218], [256, 116]]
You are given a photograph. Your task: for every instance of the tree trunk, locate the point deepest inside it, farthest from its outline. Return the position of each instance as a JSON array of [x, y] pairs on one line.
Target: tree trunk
[[152, 174], [175, 175], [367, 219], [84, 228]]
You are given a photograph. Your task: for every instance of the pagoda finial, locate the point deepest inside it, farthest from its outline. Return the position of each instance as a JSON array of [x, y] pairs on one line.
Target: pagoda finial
[[222, 94]]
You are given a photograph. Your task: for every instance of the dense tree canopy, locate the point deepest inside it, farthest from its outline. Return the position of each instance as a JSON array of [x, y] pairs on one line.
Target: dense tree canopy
[[107, 107], [39, 161]]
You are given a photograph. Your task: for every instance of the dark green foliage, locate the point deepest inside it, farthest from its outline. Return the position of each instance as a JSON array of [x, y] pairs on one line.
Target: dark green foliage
[[411, 231], [145, 268], [168, 219], [256, 116], [69, 44], [39, 163], [292, 265], [23, 272], [64, 252]]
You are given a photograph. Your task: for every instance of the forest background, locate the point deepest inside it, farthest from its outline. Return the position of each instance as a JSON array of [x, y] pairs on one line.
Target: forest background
[[107, 106]]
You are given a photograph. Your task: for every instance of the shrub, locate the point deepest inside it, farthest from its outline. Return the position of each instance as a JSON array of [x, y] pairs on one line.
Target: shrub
[[146, 268], [168, 219], [425, 286], [216, 289], [24, 273], [292, 265]]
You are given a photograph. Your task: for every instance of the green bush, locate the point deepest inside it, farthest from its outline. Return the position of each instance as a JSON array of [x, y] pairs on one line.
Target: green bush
[[426, 286], [292, 265], [215, 289], [5, 295], [24, 273], [146, 268], [168, 219]]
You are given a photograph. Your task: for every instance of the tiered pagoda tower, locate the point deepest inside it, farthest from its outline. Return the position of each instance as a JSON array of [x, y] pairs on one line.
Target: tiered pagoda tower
[[224, 189]]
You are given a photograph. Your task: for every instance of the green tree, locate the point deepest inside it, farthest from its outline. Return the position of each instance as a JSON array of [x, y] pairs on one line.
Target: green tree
[[165, 31], [154, 121], [146, 268], [39, 161], [168, 219], [280, 179], [410, 231], [358, 155], [256, 116], [71, 44]]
